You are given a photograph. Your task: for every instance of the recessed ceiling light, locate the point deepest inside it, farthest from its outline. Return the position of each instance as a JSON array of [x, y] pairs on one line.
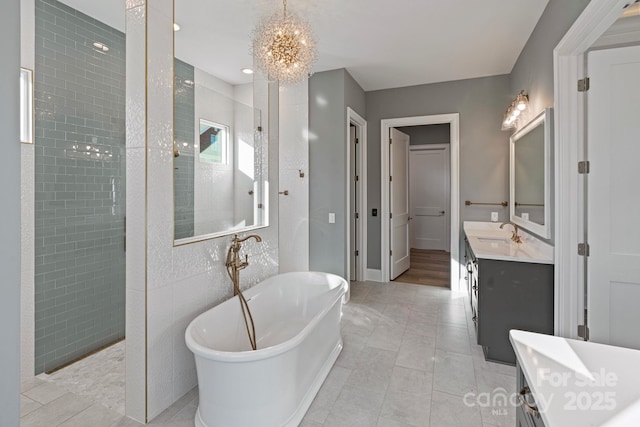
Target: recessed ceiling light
[[176, 27], [247, 70]]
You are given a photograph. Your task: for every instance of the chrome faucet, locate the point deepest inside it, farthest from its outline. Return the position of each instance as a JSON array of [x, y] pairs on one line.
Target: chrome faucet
[[514, 234], [234, 263]]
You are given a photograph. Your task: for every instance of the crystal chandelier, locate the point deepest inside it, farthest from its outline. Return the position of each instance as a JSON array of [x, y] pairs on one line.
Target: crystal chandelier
[[284, 47]]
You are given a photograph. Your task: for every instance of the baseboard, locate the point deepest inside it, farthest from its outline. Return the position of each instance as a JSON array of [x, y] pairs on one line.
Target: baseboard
[[374, 275]]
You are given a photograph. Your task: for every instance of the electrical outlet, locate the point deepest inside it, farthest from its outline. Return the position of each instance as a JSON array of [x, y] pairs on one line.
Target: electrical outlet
[[494, 216], [332, 218]]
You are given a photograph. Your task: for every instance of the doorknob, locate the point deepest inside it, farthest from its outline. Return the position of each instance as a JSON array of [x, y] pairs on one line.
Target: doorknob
[[441, 213], [410, 218], [284, 193]]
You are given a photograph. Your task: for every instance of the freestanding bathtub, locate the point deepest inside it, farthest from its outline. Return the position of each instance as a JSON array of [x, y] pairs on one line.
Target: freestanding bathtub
[[297, 321]]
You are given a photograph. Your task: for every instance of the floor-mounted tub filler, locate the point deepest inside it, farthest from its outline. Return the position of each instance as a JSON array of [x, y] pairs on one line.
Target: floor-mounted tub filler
[[297, 320]]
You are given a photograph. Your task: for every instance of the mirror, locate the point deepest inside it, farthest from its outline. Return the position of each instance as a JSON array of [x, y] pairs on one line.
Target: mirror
[[530, 172], [220, 159]]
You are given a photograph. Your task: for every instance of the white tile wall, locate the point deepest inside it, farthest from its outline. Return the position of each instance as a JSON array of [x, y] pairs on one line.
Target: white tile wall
[[136, 363], [181, 282], [293, 158], [135, 366]]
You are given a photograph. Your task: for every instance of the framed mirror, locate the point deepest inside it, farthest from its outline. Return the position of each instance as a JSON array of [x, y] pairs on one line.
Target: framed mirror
[[530, 175], [220, 156]]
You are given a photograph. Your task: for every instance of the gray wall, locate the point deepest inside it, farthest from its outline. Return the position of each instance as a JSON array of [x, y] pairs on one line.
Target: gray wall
[[354, 97], [533, 71], [330, 93], [428, 134], [184, 132], [79, 185], [10, 224], [484, 148]]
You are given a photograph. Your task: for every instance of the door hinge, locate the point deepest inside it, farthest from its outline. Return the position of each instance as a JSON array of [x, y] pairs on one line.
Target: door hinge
[[259, 128], [259, 205], [390, 141], [390, 215], [583, 249], [583, 332], [357, 253], [583, 84], [390, 253], [390, 178], [357, 178], [584, 167], [357, 215], [357, 140]]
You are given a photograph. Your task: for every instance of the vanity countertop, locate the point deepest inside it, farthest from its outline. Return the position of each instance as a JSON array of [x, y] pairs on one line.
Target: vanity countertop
[[578, 383], [488, 241]]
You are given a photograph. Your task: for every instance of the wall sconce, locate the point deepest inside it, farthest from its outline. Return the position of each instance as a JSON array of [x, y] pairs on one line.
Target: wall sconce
[[517, 107], [26, 106]]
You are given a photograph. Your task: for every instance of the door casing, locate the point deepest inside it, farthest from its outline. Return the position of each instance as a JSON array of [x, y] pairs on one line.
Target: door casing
[[361, 151], [569, 149], [453, 119]]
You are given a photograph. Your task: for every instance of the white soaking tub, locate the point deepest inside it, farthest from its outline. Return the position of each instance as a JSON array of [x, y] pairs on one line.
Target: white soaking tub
[[297, 321]]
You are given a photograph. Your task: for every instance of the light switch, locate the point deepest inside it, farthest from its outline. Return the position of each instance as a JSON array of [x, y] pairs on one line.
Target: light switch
[[332, 218], [494, 216]]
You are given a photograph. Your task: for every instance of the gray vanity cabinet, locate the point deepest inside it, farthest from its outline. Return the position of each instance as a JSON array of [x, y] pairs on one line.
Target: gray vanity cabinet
[[527, 414], [508, 295]]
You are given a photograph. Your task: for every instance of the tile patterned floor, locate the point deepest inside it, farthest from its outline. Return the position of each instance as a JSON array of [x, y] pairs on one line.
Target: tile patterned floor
[[99, 377], [409, 359]]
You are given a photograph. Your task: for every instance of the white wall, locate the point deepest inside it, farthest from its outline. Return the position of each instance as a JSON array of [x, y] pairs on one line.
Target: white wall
[[168, 286], [213, 182], [10, 224], [294, 157], [136, 208], [245, 175], [27, 204]]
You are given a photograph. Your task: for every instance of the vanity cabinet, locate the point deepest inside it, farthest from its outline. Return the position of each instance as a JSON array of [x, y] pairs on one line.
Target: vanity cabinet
[[507, 295], [526, 411], [472, 280]]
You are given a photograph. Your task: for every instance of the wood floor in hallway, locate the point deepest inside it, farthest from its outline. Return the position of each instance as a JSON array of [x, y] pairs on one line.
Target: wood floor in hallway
[[428, 267]]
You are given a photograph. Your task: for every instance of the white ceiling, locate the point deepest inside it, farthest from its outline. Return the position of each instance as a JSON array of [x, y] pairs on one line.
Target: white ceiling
[[382, 43]]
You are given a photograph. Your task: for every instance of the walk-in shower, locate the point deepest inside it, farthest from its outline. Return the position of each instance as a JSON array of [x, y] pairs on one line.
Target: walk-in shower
[[79, 184]]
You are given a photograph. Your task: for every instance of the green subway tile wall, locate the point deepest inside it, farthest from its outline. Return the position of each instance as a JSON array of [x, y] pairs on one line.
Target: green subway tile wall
[[80, 183], [184, 136]]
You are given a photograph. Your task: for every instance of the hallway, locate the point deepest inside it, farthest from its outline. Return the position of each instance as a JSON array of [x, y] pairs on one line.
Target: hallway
[[428, 267]]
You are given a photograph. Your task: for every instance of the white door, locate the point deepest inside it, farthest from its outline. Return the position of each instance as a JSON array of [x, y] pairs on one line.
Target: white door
[[399, 202], [613, 196], [429, 196]]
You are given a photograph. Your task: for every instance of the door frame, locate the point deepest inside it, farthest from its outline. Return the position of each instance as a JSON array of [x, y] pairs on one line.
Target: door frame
[[569, 149], [361, 152], [453, 119], [427, 147]]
